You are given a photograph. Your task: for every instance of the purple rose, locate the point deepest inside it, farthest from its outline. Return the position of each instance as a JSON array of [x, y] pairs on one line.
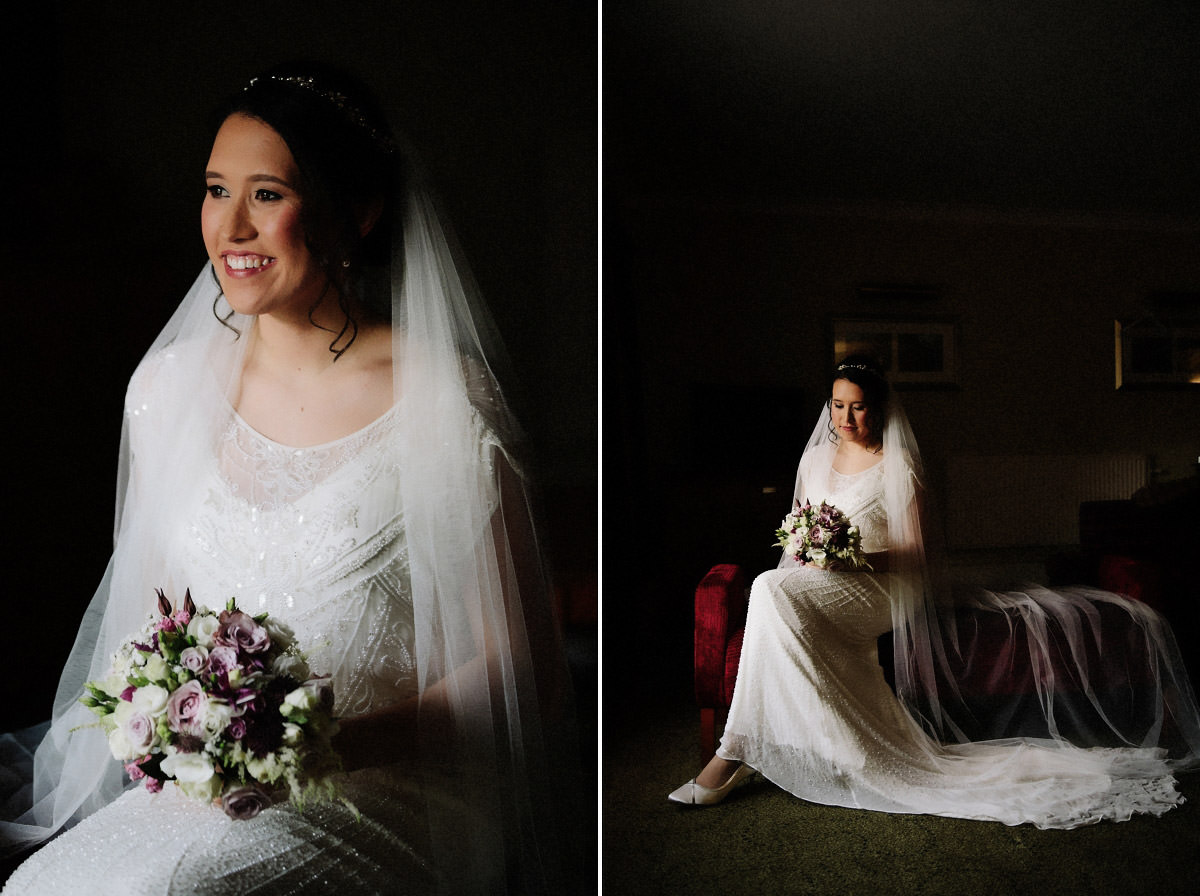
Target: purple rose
[[239, 630], [222, 661], [185, 708], [141, 731], [237, 728], [193, 659], [243, 803]]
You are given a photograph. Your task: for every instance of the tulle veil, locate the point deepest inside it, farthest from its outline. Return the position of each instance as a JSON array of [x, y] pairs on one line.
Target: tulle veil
[[484, 630], [1102, 670]]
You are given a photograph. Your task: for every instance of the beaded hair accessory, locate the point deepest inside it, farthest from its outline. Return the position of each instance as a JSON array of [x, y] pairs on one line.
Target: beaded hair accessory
[[352, 112], [871, 370]]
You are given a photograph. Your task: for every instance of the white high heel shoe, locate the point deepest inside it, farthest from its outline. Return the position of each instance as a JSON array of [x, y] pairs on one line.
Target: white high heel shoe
[[693, 794]]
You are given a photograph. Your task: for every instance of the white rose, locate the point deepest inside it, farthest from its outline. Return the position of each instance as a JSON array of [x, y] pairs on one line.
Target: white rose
[[303, 699], [190, 768], [202, 629], [217, 715], [292, 666], [150, 699], [205, 791], [121, 713], [114, 685], [292, 734], [155, 667], [119, 745], [265, 769], [281, 633]]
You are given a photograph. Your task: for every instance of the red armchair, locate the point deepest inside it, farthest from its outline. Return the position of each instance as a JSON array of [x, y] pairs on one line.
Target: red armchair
[[721, 601], [722, 598]]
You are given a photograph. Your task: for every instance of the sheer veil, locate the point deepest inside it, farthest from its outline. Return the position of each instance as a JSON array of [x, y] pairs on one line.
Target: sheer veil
[[1101, 670], [485, 640]]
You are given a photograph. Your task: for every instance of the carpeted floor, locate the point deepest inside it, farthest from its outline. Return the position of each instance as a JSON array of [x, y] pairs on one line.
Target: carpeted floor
[[764, 841]]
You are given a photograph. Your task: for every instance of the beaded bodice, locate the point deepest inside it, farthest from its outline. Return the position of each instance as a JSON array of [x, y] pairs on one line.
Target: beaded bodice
[[315, 537], [860, 497]]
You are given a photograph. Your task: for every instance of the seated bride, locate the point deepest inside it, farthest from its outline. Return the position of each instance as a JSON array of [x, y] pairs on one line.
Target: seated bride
[[813, 713], [317, 434]]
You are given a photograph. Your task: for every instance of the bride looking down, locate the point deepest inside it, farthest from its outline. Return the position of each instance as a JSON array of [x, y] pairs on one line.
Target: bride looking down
[[813, 713]]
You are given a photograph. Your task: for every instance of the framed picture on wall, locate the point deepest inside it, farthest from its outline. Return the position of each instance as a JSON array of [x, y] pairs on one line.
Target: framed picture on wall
[[914, 353], [1152, 354]]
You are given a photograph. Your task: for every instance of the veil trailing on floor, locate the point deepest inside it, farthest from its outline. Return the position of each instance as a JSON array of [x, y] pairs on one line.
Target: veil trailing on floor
[[1076, 666], [485, 641]]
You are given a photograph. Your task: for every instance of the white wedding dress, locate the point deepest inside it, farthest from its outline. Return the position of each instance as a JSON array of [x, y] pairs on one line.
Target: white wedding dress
[[813, 712], [316, 537]]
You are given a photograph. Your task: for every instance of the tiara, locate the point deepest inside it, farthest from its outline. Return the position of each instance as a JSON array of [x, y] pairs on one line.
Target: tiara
[[857, 367], [352, 112]]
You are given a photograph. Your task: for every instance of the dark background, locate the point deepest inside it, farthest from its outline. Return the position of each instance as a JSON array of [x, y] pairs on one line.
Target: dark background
[[105, 136], [1031, 166]]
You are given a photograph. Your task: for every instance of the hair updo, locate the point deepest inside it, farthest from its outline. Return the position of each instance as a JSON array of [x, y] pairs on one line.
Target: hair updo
[[866, 373], [347, 165]]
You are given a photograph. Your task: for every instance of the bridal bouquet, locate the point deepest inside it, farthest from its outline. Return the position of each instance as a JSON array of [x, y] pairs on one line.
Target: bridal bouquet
[[823, 536], [222, 703]]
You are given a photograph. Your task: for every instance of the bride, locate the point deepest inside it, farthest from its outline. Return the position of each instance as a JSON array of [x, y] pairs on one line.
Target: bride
[[813, 713], [318, 433]]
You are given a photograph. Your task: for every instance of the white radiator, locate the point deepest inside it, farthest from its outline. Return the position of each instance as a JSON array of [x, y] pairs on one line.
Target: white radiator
[[1027, 500]]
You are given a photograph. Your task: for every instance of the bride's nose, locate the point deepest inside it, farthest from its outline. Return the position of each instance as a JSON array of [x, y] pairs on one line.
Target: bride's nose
[[237, 224]]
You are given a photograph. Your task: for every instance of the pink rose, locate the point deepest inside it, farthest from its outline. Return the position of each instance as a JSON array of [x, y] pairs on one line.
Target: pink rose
[[243, 803], [193, 659], [221, 661], [141, 731], [185, 708], [239, 630]]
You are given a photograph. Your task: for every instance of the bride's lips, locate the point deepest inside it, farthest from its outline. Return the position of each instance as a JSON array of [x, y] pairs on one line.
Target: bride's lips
[[246, 264]]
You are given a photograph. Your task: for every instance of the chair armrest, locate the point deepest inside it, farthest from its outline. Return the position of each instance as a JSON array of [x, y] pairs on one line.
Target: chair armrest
[[1139, 579], [720, 612]]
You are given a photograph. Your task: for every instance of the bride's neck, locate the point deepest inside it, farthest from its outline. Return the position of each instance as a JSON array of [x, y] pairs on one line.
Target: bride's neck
[[863, 447], [857, 453], [294, 345]]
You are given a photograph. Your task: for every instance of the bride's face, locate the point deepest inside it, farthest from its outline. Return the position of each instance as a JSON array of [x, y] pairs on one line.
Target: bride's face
[[252, 225], [849, 413]]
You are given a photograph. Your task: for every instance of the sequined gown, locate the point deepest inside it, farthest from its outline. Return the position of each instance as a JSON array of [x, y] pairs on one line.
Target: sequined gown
[[813, 712], [311, 535]]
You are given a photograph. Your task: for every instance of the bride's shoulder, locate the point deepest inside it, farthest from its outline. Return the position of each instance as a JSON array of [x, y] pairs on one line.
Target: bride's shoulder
[[161, 374]]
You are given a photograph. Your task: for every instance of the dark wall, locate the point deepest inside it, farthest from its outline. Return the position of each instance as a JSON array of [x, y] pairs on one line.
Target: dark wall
[[1033, 163], [106, 131]]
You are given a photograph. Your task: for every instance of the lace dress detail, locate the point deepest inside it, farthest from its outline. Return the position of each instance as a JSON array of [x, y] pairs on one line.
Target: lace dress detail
[[312, 536], [859, 496], [813, 712]]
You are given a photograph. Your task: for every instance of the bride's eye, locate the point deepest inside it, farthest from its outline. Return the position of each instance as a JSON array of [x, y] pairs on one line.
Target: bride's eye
[[216, 191], [267, 196]]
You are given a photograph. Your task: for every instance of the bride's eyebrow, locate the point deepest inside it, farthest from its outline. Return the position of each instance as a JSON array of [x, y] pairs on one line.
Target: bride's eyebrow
[[254, 178]]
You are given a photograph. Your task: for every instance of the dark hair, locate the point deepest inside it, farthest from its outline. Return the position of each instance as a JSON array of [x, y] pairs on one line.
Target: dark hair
[[347, 164], [866, 373]]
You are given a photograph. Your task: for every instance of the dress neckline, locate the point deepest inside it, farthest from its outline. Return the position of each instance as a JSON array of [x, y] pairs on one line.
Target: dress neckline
[[874, 466], [320, 446]]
